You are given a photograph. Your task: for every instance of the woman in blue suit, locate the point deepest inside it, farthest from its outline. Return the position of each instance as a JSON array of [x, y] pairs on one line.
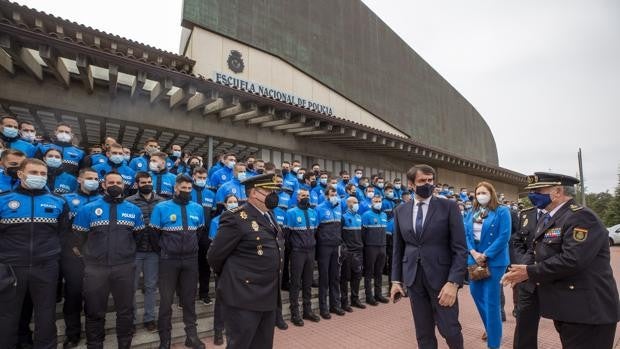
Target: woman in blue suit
[[487, 229]]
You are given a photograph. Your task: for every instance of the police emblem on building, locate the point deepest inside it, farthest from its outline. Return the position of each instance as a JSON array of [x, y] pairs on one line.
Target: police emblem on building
[[235, 62]]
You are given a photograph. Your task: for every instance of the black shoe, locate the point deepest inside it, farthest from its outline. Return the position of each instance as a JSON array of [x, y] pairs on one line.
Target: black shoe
[[206, 300], [25, 346], [281, 325], [164, 343], [286, 287], [337, 311], [150, 326], [347, 308], [218, 338], [194, 342], [356, 303], [382, 299], [71, 343], [315, 284], [325, 315], [297, 321], [371, 301], [312, 317]]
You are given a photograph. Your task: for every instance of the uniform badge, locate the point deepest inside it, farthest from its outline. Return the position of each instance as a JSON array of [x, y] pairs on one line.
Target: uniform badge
[[254, 225], [173, 217], [580, 234], [75, 202], [224, 177], [139, 164], [299, 219], [234, 190], [243, 215], [14, 204], [525, 222], [98, 211]]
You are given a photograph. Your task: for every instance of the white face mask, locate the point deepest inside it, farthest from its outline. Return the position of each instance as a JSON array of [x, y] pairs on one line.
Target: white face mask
[[483, 199], [64, 137]]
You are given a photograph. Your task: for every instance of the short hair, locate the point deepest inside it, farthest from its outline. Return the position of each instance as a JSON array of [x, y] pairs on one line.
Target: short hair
[[309, 174], [389, 186], [111, 173], [425, 169], [62, 123], [13, 152], [200, 170], [160, 155], [230, 196], [259, 160], [25, 122], [397, 179], [296, 160], [151, 140], [115, 145], [349, 186], [53, 149], [359, 169], [315, 164], [8, 117], [285, 162], [229, 154], [270, 166], [303, 189], [330, 189], [182, 179], [31, 161], [342, 173], [83, 171], [141, 175]]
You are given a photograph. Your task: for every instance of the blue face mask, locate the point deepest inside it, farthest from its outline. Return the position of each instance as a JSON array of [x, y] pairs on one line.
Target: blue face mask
[[91, 184], [376, 206], [355, 208], [334, 200], [53, 162], [323, 181], [380, 185], [10, 132], [36, 182], [540, 200], [126, 157], [231, 165], [241, 176], [176, 153], [389, 195], [232, 205], [117, 159], [397, 186], [200, 182]]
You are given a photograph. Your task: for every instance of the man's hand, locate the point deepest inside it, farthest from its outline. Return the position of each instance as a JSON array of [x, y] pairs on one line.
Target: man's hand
[[396, 288], [516, 273], [447, 295]]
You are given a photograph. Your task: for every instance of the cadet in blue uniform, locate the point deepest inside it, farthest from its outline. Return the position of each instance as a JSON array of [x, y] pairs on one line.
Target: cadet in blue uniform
[[106, 232], [379, 186], [230, 203], [178, 222], [329, 239], [374, 223], [225, 173], [71, 263], [71, 154], [29, 262], [345, 178], [289, 174], [572, 272], [361, 190], [141, 163], [366, 202], [300, 232], [352, 255], [11, 159], [247, 254], [163, 181], [10, 136], [319, 190], [58, 181], [398, 190], [388, 204], [232, 185], [309, 183], [217, 166], [175, 162], [115, 161]]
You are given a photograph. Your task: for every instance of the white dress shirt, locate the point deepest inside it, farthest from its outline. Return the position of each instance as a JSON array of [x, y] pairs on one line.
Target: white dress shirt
[[426, 202]]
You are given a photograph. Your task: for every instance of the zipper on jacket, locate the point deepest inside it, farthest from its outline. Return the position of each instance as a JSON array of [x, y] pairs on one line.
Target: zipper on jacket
[[31, 226]]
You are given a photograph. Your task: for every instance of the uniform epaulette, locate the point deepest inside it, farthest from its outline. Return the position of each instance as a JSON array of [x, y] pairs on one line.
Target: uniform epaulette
[[575, 208], [527, 209]]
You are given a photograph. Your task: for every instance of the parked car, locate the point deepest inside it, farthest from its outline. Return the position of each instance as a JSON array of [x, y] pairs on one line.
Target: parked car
[[614, 235]]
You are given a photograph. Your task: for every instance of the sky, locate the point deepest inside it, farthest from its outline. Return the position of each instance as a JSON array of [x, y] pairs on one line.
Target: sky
[[545, 75]]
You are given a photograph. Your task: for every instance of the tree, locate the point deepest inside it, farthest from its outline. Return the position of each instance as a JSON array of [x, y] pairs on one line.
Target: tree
[[611, 215]]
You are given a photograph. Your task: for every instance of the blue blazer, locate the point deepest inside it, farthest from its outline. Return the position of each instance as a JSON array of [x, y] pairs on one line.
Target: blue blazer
[[440, 249], [494, 237]]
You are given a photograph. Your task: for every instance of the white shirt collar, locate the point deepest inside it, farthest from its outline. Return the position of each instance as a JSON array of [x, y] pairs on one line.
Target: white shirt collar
[[426, 201], [556, 209]]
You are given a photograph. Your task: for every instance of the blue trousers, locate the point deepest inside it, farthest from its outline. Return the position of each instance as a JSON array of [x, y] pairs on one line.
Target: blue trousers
[[487, 294], [147, 263]]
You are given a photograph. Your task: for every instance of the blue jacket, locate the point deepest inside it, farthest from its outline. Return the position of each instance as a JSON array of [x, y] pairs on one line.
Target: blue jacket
[[125, 171], [494, 238], [163, 183], [319, 191], [140, 163], [234, 187], [329, 232], [19, 144], [352, 231], [179, 227], [299, 232], [365, 205], [314, 197], [341, 188], [219, 165], [60, 182], [387, 206], [284, 199], [373, 228], [215, 223], [6, 182], [290, 181], [96, 159], [280, 215], [71, 155], [78, 199], [108, 230], [221, 176], [204, 197], [31, 222]]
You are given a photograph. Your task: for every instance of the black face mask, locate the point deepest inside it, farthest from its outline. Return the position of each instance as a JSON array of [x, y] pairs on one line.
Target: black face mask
[[424, 191], [146, 189], [312, 184], [271, 200], [284, 172], [317, 173], [12, 171], [345, 181], [304, 203], [250, 166], [114, 191], [193, 166], [183, 196], [260, 171]]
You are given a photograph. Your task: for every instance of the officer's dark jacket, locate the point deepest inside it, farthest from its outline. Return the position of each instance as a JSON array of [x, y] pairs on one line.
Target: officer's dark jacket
[[374, 224], [144, 240], [31, 222], [573, 274], [107, 228], [352, 231], [300, 232], [71, 155], [179, 227], [329, 232], [75, 201], [248, 278], [523, 238]]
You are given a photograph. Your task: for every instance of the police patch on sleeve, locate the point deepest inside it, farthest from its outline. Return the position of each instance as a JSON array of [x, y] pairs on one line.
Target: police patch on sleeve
[[580, 234], [75, 202], [14, 204], [139, 164], [299, 219], [173, 217], [98, 211]]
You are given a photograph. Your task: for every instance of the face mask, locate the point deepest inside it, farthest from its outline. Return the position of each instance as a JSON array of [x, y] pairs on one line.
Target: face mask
[[176, 153], [114, 191], [250, 166], [317, 172], [355, 208], [345, 181], [300, 176], [312, 184], [200, 182], [184, 196], [151, 150], [397, 185], [271, 200], [35, 182], [364, 185], [260, 171], [483, 199], [540, 200], [53, 162], [376, 206], [304, 203], [389, 195], [334, 200], [370, 195], [91, 184], [380, 185], [232, 206], [153, 166], [63, 137], [296, 169], [29, 136], [424, 191], [12, 171], [146, 189], [117, 159], [323, 181], [358, 175], [126, 157], [10, 132], [285, 171], [241, 176], [231, 164]]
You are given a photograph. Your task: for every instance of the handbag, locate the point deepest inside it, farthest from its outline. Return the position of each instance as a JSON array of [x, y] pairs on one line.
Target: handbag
[[478, 272]]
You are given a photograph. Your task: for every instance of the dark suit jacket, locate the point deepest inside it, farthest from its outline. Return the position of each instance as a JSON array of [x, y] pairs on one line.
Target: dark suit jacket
[[440, 249], [248, 279]]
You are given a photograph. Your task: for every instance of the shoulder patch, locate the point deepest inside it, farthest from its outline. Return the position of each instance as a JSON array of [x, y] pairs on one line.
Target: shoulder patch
[[575, 208], [580, 234]]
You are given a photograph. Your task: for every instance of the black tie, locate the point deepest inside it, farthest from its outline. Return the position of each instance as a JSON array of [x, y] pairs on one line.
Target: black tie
[[268, 216], [419, 219]]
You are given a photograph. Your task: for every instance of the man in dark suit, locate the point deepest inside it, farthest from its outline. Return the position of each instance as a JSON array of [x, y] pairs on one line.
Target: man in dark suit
[[430, 260], [247, 255]]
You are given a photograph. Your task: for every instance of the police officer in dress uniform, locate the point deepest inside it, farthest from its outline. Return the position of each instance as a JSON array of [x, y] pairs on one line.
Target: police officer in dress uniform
[[571, 270], [247, 254], [527, 316]]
